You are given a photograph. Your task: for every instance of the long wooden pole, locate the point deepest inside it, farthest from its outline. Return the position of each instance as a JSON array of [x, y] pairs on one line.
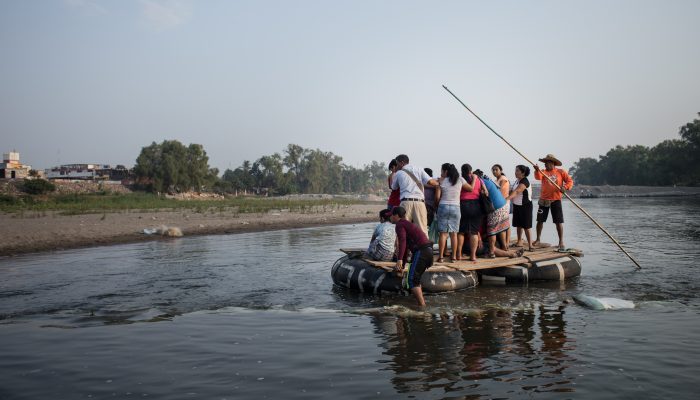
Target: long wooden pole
[[549, 178]]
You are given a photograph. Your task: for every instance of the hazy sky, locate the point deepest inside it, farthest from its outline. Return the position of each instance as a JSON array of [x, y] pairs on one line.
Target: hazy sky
[[86, 81]]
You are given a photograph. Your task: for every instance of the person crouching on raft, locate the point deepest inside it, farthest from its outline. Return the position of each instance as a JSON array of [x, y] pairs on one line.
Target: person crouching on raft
[[411, 237]]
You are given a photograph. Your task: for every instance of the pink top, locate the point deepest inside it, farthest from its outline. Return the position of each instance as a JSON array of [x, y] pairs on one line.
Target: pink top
[[474, 194]]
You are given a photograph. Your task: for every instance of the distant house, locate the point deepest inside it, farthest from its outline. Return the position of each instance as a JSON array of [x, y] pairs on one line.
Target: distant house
[[88, 172], [12, 168]]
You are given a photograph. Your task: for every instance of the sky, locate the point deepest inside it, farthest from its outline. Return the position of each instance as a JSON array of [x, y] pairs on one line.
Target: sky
[[92, 81]]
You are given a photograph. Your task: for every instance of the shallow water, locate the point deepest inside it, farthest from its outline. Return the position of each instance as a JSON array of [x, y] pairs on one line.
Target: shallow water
[[256, 315]]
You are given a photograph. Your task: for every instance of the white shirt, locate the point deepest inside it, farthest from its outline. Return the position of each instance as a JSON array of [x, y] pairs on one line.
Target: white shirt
[[524, 196], [409, 189], [450, 192], [385, 234]]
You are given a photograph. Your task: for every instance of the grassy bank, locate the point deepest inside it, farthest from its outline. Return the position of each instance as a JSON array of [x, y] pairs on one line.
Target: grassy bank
[[101, 203]]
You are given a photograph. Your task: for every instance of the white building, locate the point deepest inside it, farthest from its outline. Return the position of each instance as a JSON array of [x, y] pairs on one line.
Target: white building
[[72, 171], [87, 172], [12, 168]]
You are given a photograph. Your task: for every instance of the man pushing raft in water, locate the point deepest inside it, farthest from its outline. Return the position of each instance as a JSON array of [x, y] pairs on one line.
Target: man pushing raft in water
[[411, 237]]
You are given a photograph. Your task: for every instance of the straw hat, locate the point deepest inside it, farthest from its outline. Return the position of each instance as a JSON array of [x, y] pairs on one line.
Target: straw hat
[[551, 158]]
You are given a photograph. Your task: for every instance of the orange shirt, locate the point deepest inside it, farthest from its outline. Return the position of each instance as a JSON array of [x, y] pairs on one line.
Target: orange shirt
[[549, 191]]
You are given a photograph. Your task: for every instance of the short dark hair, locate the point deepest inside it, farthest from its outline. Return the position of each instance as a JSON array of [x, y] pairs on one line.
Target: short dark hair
[[385, 214], [392, 163], [428, 171], [402, 158], [479, 173], [400, 211]]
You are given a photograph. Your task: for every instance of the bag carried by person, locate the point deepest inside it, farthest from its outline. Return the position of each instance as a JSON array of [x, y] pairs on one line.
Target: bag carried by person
[[484, 200], [433, 232], [418, 182]]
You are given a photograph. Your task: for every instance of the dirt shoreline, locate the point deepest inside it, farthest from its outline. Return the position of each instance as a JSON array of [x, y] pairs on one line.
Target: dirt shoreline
[[49, 231], [29, 232]]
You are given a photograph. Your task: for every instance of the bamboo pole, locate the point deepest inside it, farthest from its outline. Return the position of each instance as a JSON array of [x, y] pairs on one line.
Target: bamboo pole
[[549, 178]]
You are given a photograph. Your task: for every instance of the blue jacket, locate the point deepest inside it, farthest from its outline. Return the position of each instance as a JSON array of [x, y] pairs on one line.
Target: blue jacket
[[495, 195]]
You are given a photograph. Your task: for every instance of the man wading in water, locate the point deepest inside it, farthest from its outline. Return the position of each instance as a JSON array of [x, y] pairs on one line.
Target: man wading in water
[[411, 237]]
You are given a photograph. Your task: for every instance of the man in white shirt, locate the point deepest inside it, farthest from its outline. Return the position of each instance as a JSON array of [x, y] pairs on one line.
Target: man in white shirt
[[411, 181]]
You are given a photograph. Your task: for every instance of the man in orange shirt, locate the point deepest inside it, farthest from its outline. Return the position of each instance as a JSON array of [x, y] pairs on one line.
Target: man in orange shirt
[[550, 196]]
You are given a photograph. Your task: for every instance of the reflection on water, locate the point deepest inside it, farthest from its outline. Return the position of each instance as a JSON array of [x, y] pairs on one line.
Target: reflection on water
[[465, 351], [306, 338]]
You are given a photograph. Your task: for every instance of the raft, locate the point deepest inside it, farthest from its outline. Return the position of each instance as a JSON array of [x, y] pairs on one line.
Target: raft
[[551, 269], [545, 263], [363, 275]]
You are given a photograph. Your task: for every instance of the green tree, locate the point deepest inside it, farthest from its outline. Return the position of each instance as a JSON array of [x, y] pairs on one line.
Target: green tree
[[671, 162], [293, 160], [302, 170], [172, 167], [377, 176], [586, 171], [690, 132], [268, 172], [668, 164]]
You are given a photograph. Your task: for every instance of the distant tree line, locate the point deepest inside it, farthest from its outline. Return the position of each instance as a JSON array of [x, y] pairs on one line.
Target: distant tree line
[[173, 167], [671, 162], [300, 170]]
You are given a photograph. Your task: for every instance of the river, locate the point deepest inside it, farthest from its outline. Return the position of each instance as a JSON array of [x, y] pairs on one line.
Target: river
[[256, 315]]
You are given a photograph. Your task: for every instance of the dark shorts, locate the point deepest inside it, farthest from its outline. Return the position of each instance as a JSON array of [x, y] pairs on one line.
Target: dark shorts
[[522, 216], [470, 217], [422, 260], [557, 213]]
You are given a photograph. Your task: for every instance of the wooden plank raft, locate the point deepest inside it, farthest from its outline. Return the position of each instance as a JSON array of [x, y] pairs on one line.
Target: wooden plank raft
[[542, 253]]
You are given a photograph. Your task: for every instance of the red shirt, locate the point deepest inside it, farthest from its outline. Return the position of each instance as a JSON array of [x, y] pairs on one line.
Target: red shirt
[[395, 198], [410, 236], [474, 194]]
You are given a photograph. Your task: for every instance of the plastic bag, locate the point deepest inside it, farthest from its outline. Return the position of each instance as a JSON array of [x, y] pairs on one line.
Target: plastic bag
[[433, 233]]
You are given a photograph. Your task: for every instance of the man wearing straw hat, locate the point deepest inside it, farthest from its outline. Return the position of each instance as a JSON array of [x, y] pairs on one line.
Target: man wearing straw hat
[[550, 196]]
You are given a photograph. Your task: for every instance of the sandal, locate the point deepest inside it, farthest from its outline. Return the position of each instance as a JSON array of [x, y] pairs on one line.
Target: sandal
[[519, 253], [440, 260], [491, 255]]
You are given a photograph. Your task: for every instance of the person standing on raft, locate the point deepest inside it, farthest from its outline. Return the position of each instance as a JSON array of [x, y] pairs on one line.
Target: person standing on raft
[[550, 196], [411, 180], [411, 237]]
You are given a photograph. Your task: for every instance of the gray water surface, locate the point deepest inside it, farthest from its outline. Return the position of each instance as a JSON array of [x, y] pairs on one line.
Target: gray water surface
[[256, 315]]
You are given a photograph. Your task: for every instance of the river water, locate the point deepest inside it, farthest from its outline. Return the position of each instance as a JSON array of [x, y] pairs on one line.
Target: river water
[[256, 315]]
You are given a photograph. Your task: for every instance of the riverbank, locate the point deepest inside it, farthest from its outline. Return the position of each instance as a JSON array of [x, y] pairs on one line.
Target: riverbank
[[585, 191], [51, 230]]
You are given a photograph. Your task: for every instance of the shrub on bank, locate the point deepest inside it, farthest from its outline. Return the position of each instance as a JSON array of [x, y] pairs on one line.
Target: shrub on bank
[[100, 203], [37, 186]]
